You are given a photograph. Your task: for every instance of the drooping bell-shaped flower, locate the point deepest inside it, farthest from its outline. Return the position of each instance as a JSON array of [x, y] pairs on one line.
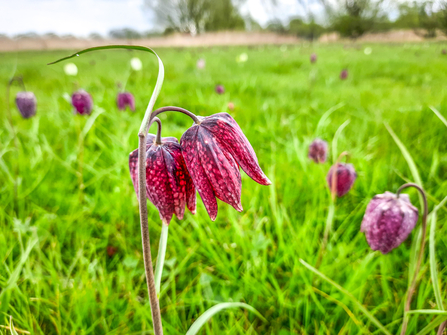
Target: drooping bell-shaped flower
[[124, 100], [26, 103], [168, 184], [388, 221], [344, 74], [313, 58], [345, 177], [220, 89], [213, 151], [82, 102], [318, 151]]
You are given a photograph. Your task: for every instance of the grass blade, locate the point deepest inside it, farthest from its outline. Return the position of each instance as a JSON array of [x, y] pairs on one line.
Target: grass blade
[[432, 325], [427, 311], [335, 139], [407, 156], [161, 256], [438, 114], [194, 329], [349, 295]]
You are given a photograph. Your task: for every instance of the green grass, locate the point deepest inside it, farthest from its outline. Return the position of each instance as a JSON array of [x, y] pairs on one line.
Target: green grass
[[66, 194]]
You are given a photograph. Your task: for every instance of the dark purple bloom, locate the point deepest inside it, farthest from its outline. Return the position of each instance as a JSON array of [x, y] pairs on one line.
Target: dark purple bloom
[[444, 51], [344, 74], [388, 221], [213, 151], [220, 89], [168, 184], [313, 58], [345, 177], [318, 151], [26, 103], [82, 102], [125, 99]]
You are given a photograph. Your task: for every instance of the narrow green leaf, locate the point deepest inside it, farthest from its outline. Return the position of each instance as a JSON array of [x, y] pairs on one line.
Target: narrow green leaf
[[325, 116], [11, 326], [194, 329], [432, 325], [438, 114], [161, 256], [348, 295], [335, 139], [407, 156]]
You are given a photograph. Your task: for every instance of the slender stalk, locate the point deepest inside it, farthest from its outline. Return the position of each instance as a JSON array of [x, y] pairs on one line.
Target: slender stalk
[[194, 117], [161, 255], [420, 255], [158, 136], [155, 307], [441, 328]]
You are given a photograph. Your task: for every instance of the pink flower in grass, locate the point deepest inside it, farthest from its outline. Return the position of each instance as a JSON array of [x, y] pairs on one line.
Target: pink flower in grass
[[82, 102], [26, 103], [124, 100], [213, 151], [168, 184], [345, 177]]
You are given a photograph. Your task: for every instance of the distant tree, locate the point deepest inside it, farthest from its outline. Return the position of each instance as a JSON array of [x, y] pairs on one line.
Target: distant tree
[[310, 31], [125, 33], [276, 26], [419, 16], [195, 16], [353, 18], [95, 36], [442, 16], [251, 24]]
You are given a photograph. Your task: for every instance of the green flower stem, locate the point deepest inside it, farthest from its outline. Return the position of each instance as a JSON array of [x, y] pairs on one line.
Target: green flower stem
[[161, 256], [412, 287]]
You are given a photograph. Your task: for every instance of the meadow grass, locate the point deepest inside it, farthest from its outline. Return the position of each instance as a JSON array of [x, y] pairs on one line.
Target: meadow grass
[[66, 196]]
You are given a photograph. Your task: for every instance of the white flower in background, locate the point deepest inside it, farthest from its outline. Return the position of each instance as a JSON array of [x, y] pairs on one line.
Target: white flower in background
[[135, 63], [71, 69], [283, 48], [367, 51], [242, 58], [201, 63]]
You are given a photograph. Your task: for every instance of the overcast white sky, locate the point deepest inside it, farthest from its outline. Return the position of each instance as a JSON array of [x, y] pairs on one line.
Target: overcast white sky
[[82, 17]]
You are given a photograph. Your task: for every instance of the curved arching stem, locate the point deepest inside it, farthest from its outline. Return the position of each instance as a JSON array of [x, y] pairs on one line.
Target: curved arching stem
[[158, 136], [420, 255], [194, 117]]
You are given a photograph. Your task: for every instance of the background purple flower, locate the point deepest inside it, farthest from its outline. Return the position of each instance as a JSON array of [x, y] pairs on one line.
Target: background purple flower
[[124, 100], [220, 89], [318, 151], [26, 103], [345, 176], [82, 102], [344, 74], [313, 58], [388, 221]]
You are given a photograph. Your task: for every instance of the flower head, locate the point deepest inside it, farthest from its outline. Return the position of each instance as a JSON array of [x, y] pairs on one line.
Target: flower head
[[318, 151], [231, 106], [168, 184], [82, 102], [220, 89], [71, 69], [444, 51], [26, 103], [345, 177], [125, 99], [388, 221], [213, 150], [313, 58], [344, 74], [136, 64]]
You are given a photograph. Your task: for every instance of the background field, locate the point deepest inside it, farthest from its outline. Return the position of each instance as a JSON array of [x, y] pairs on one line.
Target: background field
[[66, 195]]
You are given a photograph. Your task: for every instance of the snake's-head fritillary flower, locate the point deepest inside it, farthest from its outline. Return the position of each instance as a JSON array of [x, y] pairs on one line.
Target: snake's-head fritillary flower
[[388, 221], [313, 58], [124, 100], [220, 89], [231, 106], [168, 184], [344, 74], [345, 177], [444, 51], [318, 151], [213, 150], [82, 102], [26, 103]]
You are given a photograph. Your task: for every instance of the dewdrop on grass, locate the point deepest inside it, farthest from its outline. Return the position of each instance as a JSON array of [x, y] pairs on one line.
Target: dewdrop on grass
[[135, 63]]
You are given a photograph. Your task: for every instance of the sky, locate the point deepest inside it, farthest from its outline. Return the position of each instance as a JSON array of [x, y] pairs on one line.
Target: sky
[[82, 17]]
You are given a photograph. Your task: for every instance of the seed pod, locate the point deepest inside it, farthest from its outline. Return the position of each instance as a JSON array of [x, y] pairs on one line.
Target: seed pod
[[82, 102], [26, 103], [388, 221], [124, 100], [220, 89], [318, 151], [345, 176]]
